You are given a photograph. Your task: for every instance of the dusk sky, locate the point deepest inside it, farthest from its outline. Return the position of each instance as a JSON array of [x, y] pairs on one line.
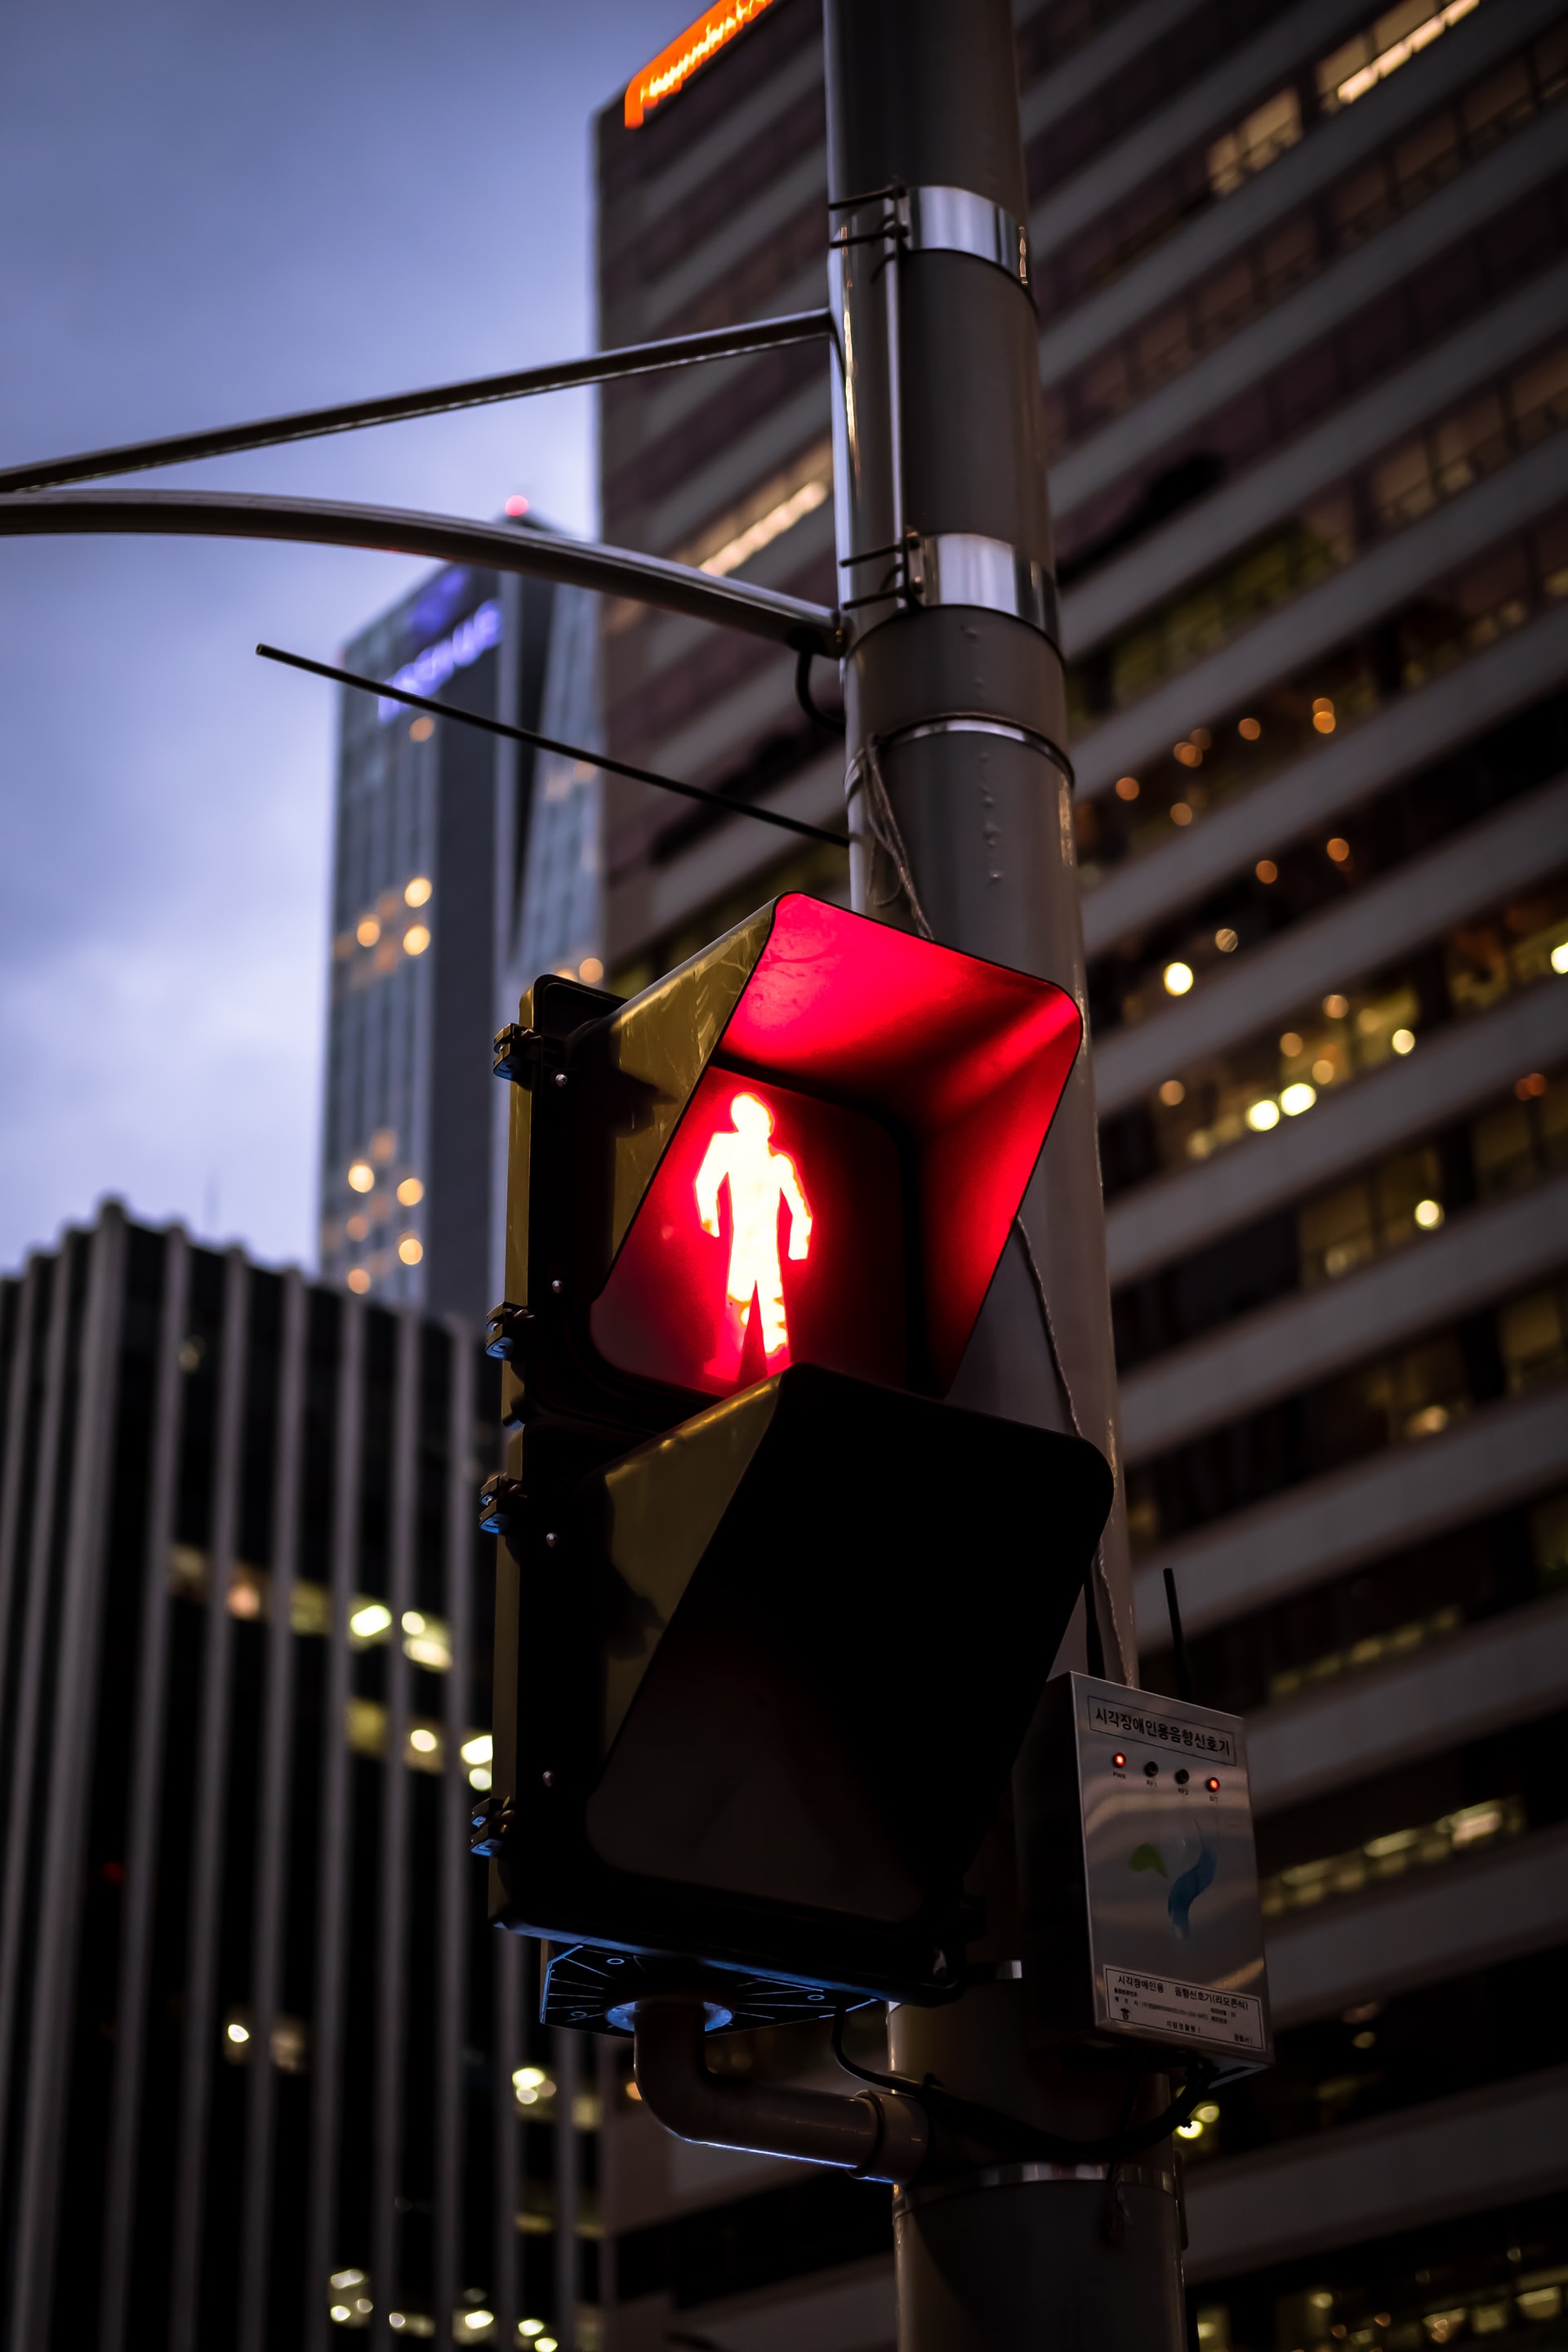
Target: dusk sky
[[212, 213]]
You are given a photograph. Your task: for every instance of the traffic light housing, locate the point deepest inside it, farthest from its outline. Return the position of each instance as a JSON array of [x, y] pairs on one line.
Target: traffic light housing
[[771, 1618]]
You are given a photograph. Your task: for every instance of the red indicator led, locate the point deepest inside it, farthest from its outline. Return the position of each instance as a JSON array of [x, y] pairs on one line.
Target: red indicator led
[[1213, 1784], [1119, 1761]]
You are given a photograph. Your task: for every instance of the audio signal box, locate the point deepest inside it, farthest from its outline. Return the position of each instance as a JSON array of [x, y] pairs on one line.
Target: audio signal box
[[1144, 1927]]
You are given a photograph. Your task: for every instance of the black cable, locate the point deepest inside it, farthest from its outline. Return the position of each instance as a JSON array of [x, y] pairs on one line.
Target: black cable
[[1093, 1640], [824, 718], [1178, 1644], [1022, 2143], [881, 2081], [548, 743]]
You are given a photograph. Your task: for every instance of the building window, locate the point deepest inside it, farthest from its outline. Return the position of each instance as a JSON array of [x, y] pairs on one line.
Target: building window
[[1267, 132]]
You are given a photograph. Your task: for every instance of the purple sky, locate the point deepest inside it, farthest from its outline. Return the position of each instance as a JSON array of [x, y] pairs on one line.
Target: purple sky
[[215, 213]]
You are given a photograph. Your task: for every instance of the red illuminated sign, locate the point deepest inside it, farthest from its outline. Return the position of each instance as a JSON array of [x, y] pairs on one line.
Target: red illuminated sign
[[674, 67], [800, 1217], [762, 1184]]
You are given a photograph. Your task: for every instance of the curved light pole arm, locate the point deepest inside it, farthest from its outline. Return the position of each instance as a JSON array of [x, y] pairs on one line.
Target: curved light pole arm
[[449, 539]]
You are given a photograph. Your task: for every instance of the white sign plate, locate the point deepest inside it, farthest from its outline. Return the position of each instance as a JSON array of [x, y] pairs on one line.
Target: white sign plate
[[1162, 2004]]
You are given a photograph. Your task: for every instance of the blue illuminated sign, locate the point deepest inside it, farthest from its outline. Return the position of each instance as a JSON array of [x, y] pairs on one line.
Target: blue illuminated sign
[[428, 671]]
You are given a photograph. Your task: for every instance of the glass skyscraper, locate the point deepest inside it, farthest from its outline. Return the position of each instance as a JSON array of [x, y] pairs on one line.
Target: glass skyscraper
[[448, 879]]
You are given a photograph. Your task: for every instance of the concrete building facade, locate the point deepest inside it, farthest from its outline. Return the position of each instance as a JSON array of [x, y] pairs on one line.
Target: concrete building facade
[[266, 2074], [1301, 268]]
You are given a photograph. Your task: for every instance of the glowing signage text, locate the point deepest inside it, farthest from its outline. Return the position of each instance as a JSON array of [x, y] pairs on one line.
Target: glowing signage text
[[759, 1179], [428, 671], [674, 67]]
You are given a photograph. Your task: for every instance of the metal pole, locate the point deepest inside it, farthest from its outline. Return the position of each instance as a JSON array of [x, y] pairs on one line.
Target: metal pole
[[959, 788]]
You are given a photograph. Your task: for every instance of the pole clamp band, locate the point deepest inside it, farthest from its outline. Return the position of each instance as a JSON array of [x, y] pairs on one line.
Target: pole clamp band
[[955, 220], [1018, 2176], [980, 722], [964, 567]]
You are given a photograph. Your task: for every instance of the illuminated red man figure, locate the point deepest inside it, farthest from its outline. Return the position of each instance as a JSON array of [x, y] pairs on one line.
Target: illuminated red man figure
[[759, 1177]]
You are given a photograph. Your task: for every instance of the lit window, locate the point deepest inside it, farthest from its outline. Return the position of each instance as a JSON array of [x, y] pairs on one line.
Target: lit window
[[1323, 721], [1263, 1115], [1178, 979], [1297, 1098], [426, 1642], [361, 1176], [529, 2328], [383, 1144], [1403, 1041], [357, 1228], [358, 1280], [1266, 870], [1267, 132], [1208, 2114], [1171, 1093], [410, 1249], [1340, 850], [1428, 1215], [1188, 755], [418, 892], [422, 730], [477, 1754], [364, 1725], [1559, 957], [369, 1620], [416, 940], [1336, 1006], [1127, 788], [1390, 42], [1249, 729], [411, 1192], [343, 2280], [773, 509], [423, 1742], [1192, 2130], [591, 969], [1227, 941], [1290, 1044], [368, 930], [1325, 1072], [1181, 813], [766, 529], [236, 2033]]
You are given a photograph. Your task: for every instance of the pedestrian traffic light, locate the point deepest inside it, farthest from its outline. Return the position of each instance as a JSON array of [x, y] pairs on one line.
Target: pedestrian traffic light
[[771, 1618]]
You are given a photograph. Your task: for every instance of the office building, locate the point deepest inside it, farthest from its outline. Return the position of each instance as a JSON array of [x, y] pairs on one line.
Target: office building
[[265, 2075], [458, 860], [1301, 269]]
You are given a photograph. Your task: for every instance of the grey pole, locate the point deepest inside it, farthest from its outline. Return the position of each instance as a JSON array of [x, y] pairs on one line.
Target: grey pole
[[959, 788]]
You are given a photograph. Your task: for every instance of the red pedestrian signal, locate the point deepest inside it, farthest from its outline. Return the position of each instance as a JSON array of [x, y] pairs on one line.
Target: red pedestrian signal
[[772, 1620], [911, 1084]]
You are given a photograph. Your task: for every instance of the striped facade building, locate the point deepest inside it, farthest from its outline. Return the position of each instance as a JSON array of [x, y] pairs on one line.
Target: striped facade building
[[265, 2075], [1302, 270]]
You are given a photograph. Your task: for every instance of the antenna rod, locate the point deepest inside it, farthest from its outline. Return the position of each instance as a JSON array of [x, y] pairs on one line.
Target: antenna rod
[[548, 743], [392, 408], [1178, 1644]]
